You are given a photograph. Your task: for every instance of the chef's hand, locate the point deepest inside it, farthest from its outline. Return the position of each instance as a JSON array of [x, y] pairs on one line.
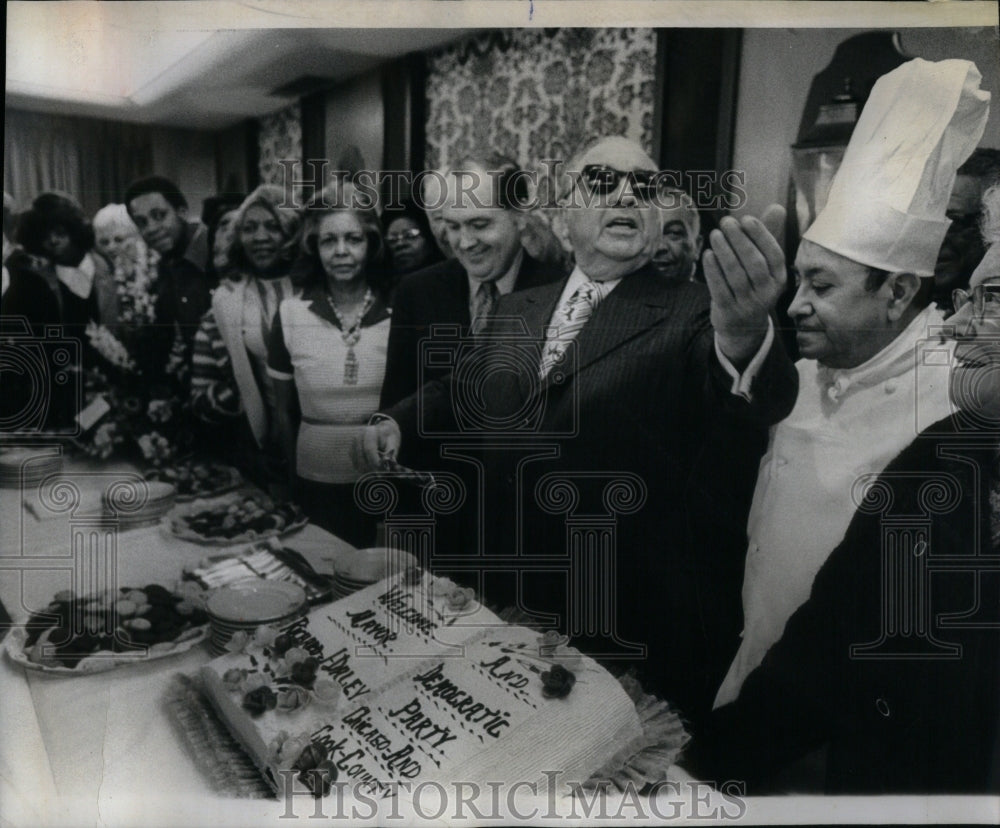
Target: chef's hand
[[745, 273], [377, 441]]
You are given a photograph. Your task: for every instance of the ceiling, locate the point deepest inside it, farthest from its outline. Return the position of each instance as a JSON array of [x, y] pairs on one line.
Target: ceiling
[[204, 65]]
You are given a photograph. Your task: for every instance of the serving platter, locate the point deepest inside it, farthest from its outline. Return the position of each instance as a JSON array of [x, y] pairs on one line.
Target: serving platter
[[239, 517]]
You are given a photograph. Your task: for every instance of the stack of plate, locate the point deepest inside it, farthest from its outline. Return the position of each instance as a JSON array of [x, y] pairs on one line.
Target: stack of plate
[[119, 500], [248, 604], [27, 467], [362, 567]]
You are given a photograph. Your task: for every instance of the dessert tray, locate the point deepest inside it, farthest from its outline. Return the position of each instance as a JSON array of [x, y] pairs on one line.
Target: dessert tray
[[101, 631], [194, 480], [239, 517]]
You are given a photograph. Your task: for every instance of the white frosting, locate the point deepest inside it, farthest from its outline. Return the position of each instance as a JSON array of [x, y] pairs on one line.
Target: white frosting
[[430, 693]]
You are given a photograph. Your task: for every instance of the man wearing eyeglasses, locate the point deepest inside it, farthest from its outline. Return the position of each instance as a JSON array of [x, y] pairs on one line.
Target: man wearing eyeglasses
[[614, 374]]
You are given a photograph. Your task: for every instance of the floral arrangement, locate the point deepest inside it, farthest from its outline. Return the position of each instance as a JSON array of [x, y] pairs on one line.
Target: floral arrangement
[[146, 419]]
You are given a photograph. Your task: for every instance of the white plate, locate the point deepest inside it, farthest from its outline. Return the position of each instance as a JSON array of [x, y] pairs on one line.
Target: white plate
[[255, 601]]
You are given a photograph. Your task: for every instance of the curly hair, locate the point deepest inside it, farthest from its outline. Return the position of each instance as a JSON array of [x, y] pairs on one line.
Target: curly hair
[[49, 211], [271, 198], [338, 197]]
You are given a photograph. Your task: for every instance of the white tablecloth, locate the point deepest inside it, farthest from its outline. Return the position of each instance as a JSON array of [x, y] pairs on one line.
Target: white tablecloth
[[100, 750]]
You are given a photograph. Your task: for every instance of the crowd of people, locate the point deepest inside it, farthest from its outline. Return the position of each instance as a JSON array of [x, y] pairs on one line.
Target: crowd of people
[[609, 349]]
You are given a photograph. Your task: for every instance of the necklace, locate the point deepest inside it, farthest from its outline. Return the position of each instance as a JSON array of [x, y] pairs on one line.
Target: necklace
[[350, 332]]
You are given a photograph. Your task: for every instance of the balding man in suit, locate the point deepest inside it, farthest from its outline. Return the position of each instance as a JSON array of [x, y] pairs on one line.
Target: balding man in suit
[[634, 404]]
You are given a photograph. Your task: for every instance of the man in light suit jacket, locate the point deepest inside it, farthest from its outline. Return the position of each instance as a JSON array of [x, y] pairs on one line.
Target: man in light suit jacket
[[605, 397]]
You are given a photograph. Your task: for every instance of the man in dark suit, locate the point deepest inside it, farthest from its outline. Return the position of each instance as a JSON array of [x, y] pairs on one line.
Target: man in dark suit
[[596, 401], [484, 228]]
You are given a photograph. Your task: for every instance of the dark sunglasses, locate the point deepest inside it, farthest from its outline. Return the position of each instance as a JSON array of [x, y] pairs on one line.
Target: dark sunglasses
[[982, 296], [602, 180]]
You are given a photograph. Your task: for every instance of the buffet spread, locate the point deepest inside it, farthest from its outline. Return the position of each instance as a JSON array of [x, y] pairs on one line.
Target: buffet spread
[[284, 664]]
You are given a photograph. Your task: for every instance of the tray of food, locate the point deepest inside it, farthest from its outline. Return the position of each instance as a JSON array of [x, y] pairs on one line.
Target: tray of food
[[79, 635], [241, 517], [268, 560], [194, 480]]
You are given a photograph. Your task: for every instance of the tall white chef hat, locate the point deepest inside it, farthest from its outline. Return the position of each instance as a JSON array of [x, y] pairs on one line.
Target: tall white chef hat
[[887, 201]]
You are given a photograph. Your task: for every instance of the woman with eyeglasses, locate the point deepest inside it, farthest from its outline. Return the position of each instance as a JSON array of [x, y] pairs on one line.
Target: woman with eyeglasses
[[409, 243], [327, 358]]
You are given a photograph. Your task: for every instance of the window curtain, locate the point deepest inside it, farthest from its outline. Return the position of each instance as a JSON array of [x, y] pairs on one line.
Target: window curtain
[[92, 160]]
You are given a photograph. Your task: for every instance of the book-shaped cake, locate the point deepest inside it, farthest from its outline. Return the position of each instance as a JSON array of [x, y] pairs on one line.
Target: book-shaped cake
[[412, 680]]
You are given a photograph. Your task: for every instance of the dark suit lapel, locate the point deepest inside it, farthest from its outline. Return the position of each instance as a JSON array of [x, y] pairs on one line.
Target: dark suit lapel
[[454, 295], [631, 309]]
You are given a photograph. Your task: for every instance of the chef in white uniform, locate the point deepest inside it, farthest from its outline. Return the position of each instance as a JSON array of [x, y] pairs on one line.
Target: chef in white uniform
[[863, 323]]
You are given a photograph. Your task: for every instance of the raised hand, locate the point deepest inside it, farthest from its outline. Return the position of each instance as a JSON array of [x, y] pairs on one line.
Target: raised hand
[[745, 273]]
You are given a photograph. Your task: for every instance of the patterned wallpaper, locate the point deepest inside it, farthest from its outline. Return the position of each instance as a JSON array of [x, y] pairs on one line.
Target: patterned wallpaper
[[280, 137], [534, 93]]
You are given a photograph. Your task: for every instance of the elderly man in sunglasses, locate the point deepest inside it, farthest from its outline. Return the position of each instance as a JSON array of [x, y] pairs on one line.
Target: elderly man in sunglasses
[[648, 400]]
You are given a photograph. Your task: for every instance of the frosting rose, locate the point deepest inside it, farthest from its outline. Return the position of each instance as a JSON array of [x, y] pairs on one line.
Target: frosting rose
[[568, 657], [281, 644], [233, 678], [254, 680], [312, 754], [292, 699], [326, 692], [238, 643], [304, 672], [442, 587], [289, 749], [557, 682], [265, 636], [320, 779], [548, 642], [258, 701], [294, 655], [461, 598]]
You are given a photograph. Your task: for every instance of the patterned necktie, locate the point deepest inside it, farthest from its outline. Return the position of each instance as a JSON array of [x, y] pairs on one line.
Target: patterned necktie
[[569, 322], [485, 301]]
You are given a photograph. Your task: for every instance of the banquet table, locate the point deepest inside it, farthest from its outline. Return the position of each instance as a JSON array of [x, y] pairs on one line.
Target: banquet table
[[101, 749]]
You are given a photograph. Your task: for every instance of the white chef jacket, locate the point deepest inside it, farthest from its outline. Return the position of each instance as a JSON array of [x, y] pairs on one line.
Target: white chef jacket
[[845, 424]]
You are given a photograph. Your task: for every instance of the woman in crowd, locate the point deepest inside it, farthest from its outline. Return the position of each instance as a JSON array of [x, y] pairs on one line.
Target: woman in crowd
[[114, 232], [409, 243], [327, 359], [56, 230], [78, 289], [229, 378]]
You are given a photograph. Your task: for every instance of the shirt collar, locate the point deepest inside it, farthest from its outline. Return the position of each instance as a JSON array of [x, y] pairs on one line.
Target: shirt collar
[[319, 303], [79, 279], [894, 359], [505, 284]]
